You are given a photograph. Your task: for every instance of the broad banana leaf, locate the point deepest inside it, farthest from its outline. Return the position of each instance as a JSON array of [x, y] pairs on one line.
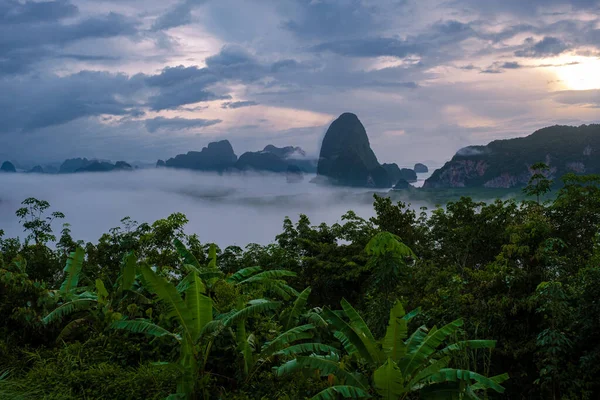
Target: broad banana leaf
[[128, 271], [101, 292], [243, 274], [308, 348], [365, 348], [415, 359], [253, 309], [198, 306], [188, 257], [347, 392], [457, 375], [397, 331], [283, 340], [169, 296], [326, 367], [143, 326], [298, 309], [69, 308], [72, 271], [389, 381], [357, 322]]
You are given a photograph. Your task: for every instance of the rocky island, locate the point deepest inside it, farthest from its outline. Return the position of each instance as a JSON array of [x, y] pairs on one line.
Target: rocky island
[[346, 156], [506, 163]]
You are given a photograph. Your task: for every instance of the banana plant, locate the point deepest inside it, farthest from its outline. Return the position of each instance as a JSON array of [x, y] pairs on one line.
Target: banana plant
[[192, 315], [250, 278], [96, 304], [401, 365]]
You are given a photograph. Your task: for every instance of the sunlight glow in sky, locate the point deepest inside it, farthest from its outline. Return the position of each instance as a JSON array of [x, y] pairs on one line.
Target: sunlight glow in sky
[[582, 76]]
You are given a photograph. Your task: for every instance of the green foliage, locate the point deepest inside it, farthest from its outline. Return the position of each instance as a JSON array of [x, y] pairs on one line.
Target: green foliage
[[150, 312]]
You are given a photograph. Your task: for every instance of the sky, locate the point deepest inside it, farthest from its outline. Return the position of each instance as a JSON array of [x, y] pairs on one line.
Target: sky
[[148, 79]]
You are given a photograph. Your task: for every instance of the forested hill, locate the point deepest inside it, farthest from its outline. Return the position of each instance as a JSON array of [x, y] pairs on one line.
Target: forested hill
[[325, 312], [506, 163]]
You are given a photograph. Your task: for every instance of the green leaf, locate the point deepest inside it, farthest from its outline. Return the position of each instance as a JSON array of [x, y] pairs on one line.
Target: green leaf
[[347, 392], [169, 296], [297, 309], [198, 305], [427, 347], [357, 322], [212, 256], [290, 336], [129, 271], [287, 368], [326, 367], [243, 274], [456, 375], [72, 270], [397, 331], [469, 344], [385, 242], [429, 370], [350, 348], [252, 310], [101, 292], [498, 379], [70, 327], [69, 308], [350, 334], [243, 346], [308, 348], [188, 257], [412, 314], [268, 275], [143, 326], [389, 381]]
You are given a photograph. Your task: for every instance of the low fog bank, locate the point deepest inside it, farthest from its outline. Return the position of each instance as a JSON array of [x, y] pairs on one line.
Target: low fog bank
[[227, 210]]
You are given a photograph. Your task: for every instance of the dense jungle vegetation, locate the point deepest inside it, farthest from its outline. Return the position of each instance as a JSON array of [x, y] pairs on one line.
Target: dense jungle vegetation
[[473, 300]]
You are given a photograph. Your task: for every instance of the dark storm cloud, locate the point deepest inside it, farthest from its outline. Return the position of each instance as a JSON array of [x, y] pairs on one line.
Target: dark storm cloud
[[176, 124], [525, 8], [15, 12], [178, 15], [547, 47], [370, 47], [239, 104], [32, 103], [54, 100], [439, 35], [179, 86], [34, 31], [331, 19]]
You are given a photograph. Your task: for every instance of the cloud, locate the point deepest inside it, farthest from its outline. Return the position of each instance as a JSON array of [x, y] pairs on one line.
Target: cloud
[[239, 104], [176, 124], [331, 19], [579, 97], [54, 100], [31, 32], [547, 47], [369, 47], [511, 65], [16, 12], [178, 15]]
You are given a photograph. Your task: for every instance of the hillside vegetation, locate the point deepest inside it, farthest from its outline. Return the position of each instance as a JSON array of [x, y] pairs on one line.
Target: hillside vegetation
[[471, 301]]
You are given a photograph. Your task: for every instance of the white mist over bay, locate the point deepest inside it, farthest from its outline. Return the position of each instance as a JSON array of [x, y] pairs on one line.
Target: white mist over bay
[[224, 209]]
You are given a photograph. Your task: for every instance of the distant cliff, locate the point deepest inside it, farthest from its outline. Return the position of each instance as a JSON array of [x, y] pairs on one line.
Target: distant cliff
[[346, 156], [103, 166], [506, 163], [7, 166], [217, 156]]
